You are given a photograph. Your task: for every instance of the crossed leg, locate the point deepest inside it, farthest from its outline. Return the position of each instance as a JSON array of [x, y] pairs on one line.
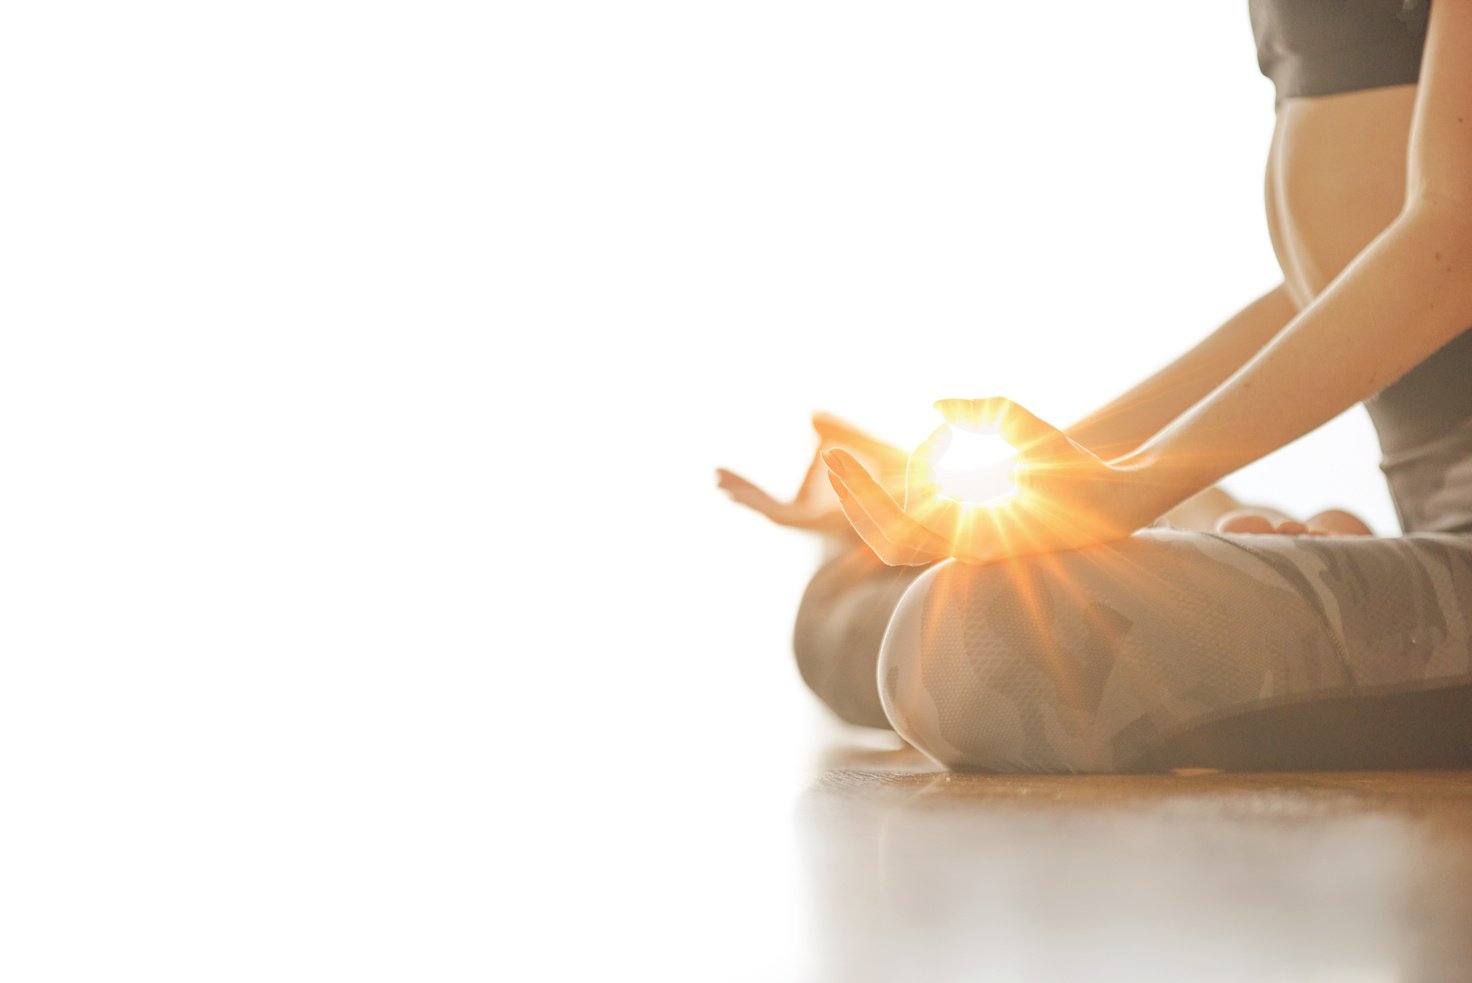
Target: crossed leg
[[1174, 648]]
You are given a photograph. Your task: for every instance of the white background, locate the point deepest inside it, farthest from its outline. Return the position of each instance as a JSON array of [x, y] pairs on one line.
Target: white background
[[368, 610]]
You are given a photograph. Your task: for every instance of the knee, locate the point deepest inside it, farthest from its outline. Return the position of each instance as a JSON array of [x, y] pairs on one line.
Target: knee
[[836, 639], [996, 668]]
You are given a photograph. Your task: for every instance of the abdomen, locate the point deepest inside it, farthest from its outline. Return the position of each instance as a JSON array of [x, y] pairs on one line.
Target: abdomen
[[1336, 178]]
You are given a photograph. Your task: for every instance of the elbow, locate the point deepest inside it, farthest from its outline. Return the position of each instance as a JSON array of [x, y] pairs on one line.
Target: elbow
[[1443, 216], [1435, 235]]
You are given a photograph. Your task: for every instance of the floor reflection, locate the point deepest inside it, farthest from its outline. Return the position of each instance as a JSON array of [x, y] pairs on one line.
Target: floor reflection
[[919, 875]]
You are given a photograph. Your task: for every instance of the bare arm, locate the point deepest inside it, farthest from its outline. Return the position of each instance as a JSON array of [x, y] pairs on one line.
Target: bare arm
[[1125, 423], [1407, 294], [1404, 296]]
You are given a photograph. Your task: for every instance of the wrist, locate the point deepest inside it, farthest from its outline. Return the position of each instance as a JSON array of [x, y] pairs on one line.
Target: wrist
[[1148, 485]]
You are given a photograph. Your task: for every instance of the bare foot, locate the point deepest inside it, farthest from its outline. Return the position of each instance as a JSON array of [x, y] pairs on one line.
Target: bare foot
[[1268, 522], [1337, 522]]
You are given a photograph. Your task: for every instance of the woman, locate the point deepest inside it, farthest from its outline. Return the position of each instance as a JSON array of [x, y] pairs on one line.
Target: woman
[[1053, 634]]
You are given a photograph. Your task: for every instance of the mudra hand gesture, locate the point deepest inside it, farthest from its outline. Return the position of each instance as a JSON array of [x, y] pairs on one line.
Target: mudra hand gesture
[[813, 507], [1064, 497]]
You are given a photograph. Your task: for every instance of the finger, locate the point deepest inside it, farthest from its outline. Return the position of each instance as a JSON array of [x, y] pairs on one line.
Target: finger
[[1021, 428], [937, 443], [920, 481], [743, 492], [812, 478], [893, 553], [867, 529], [964, 413], [883, 511], [832, 430], [725, 479], [1292, 528], [870, 494], [1018, 426]]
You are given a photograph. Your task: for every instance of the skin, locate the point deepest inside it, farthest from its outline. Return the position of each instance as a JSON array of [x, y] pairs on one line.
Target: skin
[[1317, 227], [1369, 200], [815, 506]]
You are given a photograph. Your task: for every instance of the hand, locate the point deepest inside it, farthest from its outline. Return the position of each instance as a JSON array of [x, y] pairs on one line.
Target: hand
[[1065, 497], [815, 507]]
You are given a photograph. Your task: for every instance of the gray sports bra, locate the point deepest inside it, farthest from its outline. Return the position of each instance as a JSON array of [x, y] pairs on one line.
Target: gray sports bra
[[1320, 47]]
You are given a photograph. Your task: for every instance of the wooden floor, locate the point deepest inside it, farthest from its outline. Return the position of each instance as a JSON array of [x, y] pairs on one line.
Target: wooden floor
[[923, 875]]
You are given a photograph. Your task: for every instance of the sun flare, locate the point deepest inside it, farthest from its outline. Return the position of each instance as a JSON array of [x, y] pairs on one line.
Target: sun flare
[[975, 468]]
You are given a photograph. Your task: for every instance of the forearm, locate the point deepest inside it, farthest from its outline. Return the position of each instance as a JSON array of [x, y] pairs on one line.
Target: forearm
[[1126, 422], [1406, 295]]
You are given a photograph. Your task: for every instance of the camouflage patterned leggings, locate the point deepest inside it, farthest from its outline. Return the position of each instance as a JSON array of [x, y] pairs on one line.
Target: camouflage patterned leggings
[[1167, 649]]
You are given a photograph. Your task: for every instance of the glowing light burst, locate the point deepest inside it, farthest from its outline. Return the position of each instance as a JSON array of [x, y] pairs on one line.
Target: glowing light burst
[[975, 468]]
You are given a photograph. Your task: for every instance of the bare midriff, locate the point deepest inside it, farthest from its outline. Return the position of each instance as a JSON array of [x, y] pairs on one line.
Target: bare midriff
[[1336, 177]]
